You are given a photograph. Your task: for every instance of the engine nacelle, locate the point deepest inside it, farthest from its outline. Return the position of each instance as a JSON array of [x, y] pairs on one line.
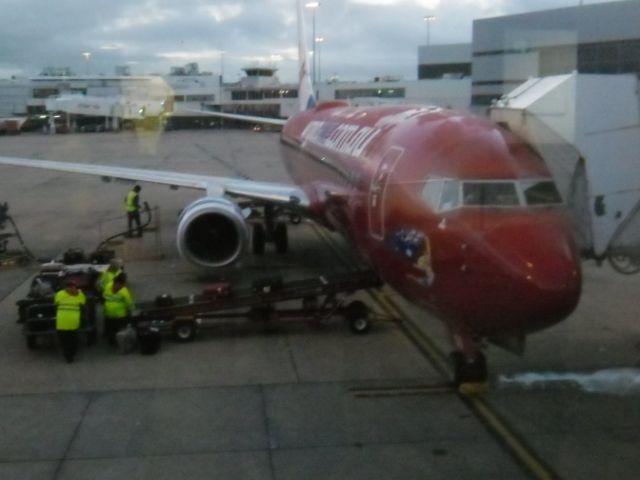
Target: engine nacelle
[[212, 232]]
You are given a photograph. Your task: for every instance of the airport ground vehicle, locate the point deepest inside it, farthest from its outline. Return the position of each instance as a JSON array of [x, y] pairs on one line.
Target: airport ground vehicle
[[37, 313], [268, 301]]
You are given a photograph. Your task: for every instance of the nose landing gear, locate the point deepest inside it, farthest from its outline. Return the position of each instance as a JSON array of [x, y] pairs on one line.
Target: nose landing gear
[[469, 366]]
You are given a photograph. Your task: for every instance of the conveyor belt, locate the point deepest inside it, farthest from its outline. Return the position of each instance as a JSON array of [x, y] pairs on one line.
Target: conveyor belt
[[248, 297]]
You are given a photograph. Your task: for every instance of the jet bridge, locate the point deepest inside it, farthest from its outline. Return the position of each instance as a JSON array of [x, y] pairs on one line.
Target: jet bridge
[[587, 128], [112, 111]]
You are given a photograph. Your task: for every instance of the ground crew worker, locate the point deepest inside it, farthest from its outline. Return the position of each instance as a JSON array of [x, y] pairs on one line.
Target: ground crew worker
[[69, 303], [114, 269], [118, 306], [132, 207]]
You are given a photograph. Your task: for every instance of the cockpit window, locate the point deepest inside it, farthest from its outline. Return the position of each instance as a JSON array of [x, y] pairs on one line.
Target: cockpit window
[[432, 191], [450, 197], [442, 194], [498, 194], [541, 193]]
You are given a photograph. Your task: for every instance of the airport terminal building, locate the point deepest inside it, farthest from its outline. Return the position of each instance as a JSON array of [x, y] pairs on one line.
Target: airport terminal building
[[599, 38], [504, 53]]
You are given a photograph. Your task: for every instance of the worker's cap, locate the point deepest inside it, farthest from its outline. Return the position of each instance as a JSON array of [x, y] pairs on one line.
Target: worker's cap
[[115, 262]]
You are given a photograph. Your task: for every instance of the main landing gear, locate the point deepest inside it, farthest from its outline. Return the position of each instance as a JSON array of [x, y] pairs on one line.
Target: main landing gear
[[270, 230]]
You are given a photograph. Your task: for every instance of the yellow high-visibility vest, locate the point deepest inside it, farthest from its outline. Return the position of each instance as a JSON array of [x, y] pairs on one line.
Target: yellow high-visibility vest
[[130, 201], [117, 304], [68, 309]]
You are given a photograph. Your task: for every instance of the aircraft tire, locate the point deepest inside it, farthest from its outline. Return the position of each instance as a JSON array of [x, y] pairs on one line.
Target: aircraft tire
[[624, 264], [466, 372], [259, 239], [357, 314], [281, 238]]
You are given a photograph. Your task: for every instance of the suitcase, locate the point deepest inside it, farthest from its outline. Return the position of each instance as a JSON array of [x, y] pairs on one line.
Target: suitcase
[[217, 290], [101, 257], [126, 339], [164, 300], [73, 256], [268, 284], [149, 341]]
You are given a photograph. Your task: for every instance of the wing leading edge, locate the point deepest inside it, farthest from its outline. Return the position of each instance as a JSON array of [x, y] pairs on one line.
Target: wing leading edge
[[280, 122], [269, 192]]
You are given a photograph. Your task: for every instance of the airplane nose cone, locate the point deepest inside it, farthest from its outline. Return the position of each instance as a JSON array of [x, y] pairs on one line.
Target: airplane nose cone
[[535, 278]]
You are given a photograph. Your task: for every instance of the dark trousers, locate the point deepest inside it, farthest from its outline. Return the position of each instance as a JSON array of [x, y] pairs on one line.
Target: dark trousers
[[68, 343], [134, 217], [113, 326]]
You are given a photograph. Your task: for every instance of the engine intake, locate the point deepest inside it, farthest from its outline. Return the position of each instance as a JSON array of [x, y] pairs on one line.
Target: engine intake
[[212, 232]]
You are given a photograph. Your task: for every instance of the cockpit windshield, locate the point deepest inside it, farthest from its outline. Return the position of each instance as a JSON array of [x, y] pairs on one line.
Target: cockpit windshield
[[443, 194], [497, 194]]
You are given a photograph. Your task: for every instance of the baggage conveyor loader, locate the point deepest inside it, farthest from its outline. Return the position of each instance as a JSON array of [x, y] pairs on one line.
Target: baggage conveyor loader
[[269, 301]]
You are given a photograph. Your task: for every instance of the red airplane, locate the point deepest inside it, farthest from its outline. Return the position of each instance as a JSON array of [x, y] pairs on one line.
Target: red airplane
[[455, 213]]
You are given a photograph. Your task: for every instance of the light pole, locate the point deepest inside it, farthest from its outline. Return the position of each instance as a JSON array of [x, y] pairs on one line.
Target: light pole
[[87, 56], [222, 67], [319, 41], [428, 19], [313, 6]]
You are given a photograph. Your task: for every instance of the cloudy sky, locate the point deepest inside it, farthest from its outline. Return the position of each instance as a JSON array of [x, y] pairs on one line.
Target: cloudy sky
[[362, 38]]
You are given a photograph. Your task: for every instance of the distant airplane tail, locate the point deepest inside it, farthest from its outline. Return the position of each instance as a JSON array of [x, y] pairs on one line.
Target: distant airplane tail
[[306, 98]]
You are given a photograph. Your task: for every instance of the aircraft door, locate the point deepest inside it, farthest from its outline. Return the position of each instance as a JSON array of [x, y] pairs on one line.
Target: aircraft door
[[377, 191]]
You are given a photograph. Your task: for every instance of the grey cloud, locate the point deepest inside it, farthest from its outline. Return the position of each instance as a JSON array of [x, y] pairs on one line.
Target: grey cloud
[[361, 41]]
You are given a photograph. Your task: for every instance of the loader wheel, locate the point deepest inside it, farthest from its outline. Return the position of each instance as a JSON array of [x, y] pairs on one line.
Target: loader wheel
[[184, 331], [259, 239], [357, 314], [32, 342], [281, 238]]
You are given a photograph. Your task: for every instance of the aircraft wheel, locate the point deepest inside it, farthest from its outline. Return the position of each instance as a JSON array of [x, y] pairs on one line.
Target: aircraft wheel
[[184, 331], [469, 372], [357, 314], [281, 238], [259, 238], [625, 264]]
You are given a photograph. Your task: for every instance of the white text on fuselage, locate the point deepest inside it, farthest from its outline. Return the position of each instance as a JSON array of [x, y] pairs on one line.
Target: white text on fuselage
[[342, 137]]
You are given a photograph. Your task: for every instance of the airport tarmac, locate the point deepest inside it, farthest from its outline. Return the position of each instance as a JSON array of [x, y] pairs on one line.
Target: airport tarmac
[[291, 402]]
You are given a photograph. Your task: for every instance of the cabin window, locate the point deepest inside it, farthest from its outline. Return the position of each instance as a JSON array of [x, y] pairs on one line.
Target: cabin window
[[541, 193], [494, 194]]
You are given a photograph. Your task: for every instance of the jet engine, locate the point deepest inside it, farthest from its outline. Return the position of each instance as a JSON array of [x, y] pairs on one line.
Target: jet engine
[[212, 232]]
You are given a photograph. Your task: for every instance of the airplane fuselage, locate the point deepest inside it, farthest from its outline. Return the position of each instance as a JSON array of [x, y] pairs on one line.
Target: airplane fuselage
[[458, 215]]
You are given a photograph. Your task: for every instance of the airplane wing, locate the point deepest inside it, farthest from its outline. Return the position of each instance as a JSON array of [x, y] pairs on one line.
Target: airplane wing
[[269, 192], [233, 116]]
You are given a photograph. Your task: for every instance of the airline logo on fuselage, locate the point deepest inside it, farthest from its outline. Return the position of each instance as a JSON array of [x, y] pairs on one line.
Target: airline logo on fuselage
[[345, 138]]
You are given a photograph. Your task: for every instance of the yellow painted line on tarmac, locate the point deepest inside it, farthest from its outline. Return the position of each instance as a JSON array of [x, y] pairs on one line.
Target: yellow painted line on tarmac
[[512, 442], [487, 414], [413, 333], [405, 391]]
